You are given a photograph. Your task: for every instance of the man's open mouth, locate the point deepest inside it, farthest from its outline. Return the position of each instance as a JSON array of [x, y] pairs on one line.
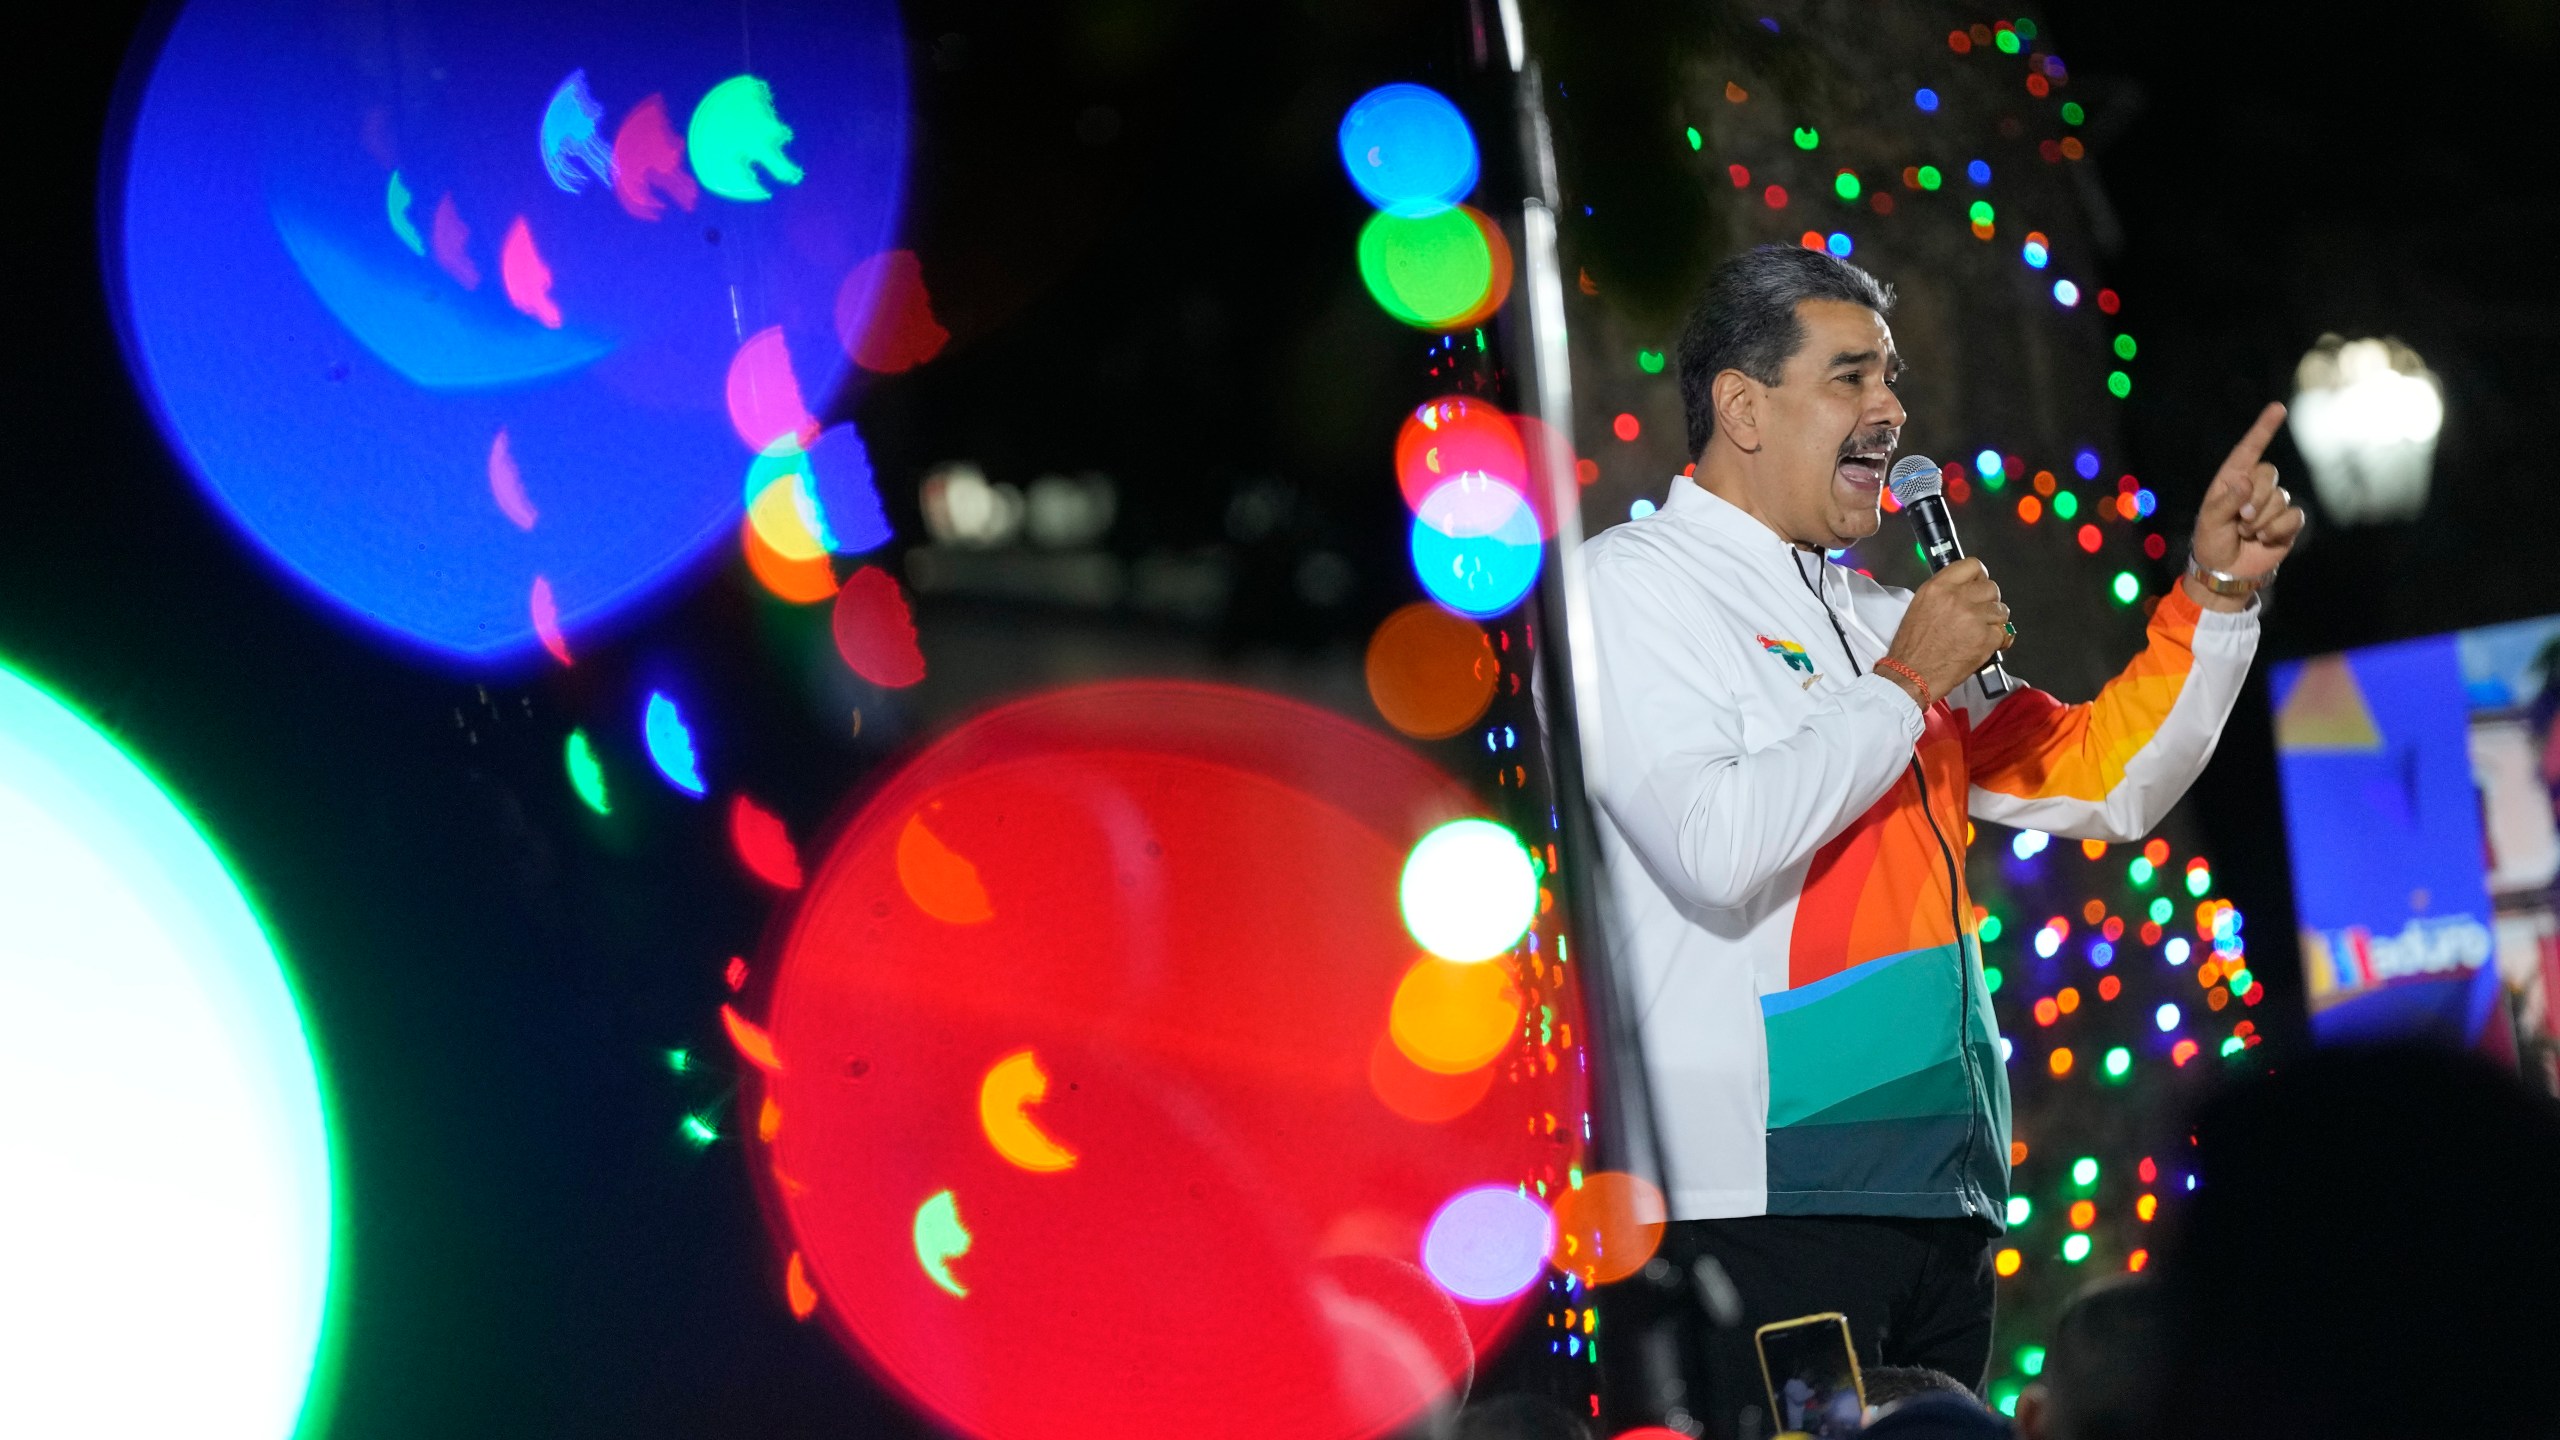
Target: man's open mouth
[[1865, 469]]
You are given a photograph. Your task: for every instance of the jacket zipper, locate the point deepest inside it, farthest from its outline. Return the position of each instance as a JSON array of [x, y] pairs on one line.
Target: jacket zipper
[[1980, 1097]]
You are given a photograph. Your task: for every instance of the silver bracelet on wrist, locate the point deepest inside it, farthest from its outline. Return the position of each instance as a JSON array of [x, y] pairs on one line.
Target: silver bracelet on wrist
[[2223, 582]]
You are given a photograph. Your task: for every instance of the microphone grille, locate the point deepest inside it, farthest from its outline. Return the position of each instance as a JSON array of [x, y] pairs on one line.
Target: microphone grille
[[1915, 477]]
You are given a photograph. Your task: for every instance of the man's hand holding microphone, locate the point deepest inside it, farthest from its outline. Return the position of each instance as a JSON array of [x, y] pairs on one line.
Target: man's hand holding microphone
[[1956, 624]]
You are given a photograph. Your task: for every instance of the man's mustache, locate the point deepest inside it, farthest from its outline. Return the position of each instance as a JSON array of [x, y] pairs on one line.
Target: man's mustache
[[1885, 439]]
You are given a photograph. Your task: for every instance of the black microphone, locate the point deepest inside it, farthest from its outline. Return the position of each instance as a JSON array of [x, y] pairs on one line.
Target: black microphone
[[1922, 493]]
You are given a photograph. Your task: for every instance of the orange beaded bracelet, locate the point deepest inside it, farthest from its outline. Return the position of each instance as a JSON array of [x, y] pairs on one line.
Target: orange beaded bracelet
[[1907, 673]]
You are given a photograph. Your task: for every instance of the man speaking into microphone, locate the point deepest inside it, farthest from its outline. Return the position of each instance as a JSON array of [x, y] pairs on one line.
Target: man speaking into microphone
[[1788, 755]]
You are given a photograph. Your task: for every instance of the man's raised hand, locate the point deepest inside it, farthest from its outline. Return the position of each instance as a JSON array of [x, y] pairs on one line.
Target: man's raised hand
[[2248, 522]]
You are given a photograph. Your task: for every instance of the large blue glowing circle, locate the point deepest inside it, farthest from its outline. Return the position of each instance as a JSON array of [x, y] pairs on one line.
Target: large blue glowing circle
[[1476, 546], [502, 290], [165, 1231], [1408, 149]]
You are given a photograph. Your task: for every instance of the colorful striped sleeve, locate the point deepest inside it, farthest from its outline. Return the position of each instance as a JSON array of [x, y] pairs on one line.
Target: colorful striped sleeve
[[2108, 769]]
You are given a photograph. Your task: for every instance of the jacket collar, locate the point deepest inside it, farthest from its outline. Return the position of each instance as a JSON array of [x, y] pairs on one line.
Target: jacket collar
[[1697, 505]]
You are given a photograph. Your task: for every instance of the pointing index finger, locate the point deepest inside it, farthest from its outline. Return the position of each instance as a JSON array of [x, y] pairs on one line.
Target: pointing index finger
[[2244, 456]]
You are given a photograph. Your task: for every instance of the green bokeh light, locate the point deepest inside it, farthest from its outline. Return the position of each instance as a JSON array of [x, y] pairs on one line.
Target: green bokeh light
[[2199, 880], [2075, 1248], [170, 1205], [1930, 179], [2141, 871], [2026, 28], [2240, 980], [1845, 185], [2072, 114], [699, 1131], [2007, 41], [1991, 978], [2066, 504], [1649, 361], [1807, 137], [2084, 1171], [2125, 347], [1989, 930], [1468, 891], [2233, 1045], [2162, 907], [1427, 270], [1696, 140], [734, 130], [2021, 1210], [2119, 384], [2119, 1063], [2030, 1359], [1979, 212], [2127, 590], [586, 776]]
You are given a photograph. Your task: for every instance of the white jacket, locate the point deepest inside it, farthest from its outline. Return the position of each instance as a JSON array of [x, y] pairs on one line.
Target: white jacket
[[1785, 842]]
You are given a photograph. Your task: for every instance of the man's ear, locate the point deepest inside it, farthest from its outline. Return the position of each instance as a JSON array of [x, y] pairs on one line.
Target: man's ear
[[1737, 403]]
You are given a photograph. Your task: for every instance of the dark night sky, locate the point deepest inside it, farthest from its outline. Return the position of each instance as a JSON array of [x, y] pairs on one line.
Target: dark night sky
[[2283, 171]]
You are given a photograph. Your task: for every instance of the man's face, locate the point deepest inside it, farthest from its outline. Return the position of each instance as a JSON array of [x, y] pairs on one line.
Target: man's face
[[1830, 429]]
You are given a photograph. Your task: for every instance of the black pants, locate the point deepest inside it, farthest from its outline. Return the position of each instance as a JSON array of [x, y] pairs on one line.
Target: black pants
[[1917, 1292]]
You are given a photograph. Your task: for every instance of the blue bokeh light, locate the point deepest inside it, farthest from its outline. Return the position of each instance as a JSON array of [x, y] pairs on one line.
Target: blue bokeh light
[[1987, 464], [1979, 172], [1840, 244], [2035, 254], [2086, 462], [2065, 293], [670, 743], [1476, 558], [1926, 99], [426, 346], [1408, 150]]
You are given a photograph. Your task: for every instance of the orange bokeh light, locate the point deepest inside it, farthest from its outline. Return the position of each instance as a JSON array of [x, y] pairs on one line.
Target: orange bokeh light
[[2084, 1213], [1423, 1095], [1450, 1018], [1609, 1228], [1431, 673], [2060, 1062], [803, 581], [2007, 1262]]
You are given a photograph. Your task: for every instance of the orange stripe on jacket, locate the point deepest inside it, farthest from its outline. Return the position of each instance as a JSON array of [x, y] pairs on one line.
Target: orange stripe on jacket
[[1880, 887], [2034, 747]]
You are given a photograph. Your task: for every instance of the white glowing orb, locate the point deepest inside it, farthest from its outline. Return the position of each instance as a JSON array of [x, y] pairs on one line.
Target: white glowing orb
[[2365, 415], [165, 1220], [1469, 891]]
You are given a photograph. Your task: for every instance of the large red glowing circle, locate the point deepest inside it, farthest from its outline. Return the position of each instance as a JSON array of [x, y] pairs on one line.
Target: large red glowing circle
[[1097, 1152]]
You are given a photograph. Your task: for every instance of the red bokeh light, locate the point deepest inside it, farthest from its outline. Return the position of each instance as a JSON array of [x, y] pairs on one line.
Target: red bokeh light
[[874, 631], [884, 317], [1459, 435], [1190, 917], [763, 845]]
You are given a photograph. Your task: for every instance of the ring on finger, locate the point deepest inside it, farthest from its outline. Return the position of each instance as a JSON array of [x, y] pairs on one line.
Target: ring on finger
[[2009, 628]]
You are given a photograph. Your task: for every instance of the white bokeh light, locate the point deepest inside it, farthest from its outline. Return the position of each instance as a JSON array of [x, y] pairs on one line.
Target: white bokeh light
[[165, 1228], [2365, 415]]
